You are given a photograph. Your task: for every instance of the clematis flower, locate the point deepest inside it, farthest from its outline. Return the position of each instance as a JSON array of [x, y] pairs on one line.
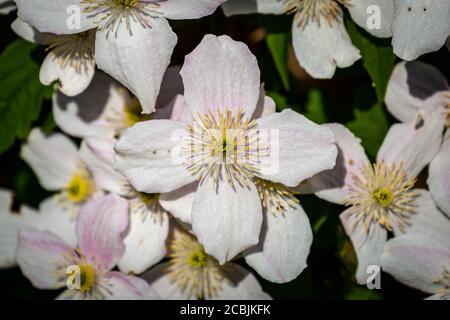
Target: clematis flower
[[59, 167], [46, 218], [381, 199], [145, 239], [321, 42], [415, 18], [105, 109], [416, 87], [223, 148], [6, 6], [190, 273], [50, 263], [70, 60], [420, 258], [133, 39]]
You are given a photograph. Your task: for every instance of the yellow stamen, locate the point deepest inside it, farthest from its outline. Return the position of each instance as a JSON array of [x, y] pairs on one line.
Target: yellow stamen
[[275, 197], [79, 188]]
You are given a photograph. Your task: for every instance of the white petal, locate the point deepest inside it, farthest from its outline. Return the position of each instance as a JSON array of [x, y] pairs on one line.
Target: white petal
[[368, 245], [88, 114], [179, 202], [226, 221], [414, 144], [416, 86], [6, 6], [221, 74], [160, 280], [145, 242], [123, 287], [192, 9], [98, 155], [416, 260], [171, 86], [176, 110], [53, 158], [234, 7], [25, 31], [284, 246], [55, 16], [420, 26], [332, 185], [320, 49], [298, 147], [363, 11], [9, 224], [148, 156], [71, 80], [265, 106], [439, 176], [137, 57], [241, 285]]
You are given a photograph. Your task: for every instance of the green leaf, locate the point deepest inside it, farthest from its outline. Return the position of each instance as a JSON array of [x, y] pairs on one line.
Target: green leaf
[[371, 126], [315, 108], [21, 94], [278, 47], [377, 55]]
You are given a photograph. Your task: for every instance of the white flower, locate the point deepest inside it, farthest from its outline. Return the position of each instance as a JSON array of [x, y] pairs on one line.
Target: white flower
[[381, 198], [420, 258], [59, 167], [416, 87], [419, 27], [70, 60], [133, 39], [319, 37], [190, 273], [106, 109], [6, 6], [223, 147]]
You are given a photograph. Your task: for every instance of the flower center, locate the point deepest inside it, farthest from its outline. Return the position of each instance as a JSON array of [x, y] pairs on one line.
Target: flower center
[[80, 187], [132, 113], [146, 205], [195, 272], [444, 282], [112, 13], [307, 11], [384, 194], [74, 50], [87, 277], [224, 144], [275, 197]]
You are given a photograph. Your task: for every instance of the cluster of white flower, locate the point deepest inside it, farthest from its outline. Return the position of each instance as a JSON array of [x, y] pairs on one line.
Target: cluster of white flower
[[182, 171]]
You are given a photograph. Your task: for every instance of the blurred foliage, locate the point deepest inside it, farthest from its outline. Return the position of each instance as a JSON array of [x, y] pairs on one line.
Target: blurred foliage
[[353, 97]]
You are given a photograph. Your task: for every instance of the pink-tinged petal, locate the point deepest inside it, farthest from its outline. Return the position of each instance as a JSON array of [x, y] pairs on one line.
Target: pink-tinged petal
[[98, 155], [192, 9], [241, 285], [284, 246], [420, 26], [439, 176], [368, 245], [43, 258], [179, 202], [413, 144], [429, 220], [145, 241], [53, 158], [416, 86], [55, 16], [88, 114], [416, 260], [100, 225], [226, 220], [160, 280], [71, 81], [148, 155], [332, 185], [221, 74], [320, 49], [119, 286], [362, 11], [298, 148], [176, 110], [137, 57]]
